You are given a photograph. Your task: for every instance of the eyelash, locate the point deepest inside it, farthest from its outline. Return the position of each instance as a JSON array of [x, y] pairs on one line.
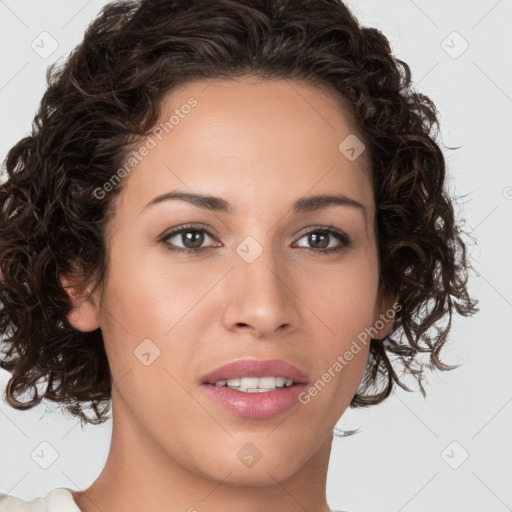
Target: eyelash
[[345, 240]]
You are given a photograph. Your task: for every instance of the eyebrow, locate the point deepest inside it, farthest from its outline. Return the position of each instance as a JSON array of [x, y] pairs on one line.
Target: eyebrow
[[217, 204]]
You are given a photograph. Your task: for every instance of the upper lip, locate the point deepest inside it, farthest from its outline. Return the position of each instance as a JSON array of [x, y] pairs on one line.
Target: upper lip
[[256, 368]]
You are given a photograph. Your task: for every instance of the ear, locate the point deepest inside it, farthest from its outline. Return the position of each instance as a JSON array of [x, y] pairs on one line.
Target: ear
[[85, 313], [386, 310]]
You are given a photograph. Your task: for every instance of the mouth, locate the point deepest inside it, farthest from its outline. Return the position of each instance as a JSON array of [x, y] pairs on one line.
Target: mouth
[[255, 388]]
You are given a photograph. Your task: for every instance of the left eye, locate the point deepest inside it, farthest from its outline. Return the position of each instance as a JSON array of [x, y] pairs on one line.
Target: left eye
[[322, 236], [193, 238]]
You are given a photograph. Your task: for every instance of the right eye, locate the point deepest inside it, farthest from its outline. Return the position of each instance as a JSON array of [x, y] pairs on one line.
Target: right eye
[[192, 242]]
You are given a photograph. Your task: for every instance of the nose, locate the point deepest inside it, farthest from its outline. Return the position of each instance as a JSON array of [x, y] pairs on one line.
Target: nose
[[260, 298]]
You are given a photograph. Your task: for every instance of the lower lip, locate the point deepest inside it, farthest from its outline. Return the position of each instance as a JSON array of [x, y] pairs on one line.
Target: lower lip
[[255, 405]]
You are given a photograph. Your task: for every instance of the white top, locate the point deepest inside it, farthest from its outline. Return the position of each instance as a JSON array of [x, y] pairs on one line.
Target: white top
[[58, 500]]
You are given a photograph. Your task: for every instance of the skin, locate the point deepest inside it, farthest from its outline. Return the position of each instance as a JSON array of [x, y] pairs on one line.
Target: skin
[[260, 145]]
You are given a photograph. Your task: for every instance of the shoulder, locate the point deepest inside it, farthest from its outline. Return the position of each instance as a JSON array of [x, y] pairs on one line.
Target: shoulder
[[58, 500], [12, 504]]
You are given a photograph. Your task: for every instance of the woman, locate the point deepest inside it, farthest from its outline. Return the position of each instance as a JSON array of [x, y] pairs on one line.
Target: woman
[[325, 255]]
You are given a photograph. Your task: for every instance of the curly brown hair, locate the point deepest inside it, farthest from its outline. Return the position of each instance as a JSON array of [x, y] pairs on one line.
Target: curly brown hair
[[108, 94]]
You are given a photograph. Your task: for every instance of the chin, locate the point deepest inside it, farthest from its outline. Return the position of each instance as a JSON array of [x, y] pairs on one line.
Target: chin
[[251, 467]]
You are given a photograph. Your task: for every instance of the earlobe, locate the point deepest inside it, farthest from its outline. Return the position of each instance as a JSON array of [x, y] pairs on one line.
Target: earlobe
[[84, 316]]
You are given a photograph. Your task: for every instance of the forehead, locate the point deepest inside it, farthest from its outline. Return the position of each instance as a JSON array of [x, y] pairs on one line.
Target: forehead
[[252, 141]]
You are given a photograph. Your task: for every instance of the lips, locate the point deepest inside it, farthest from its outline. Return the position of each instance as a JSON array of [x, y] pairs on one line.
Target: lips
[[255, 405], [260, 406], [256, 368]]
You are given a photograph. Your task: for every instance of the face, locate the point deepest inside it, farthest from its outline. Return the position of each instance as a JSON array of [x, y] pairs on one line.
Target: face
[[254, 275]]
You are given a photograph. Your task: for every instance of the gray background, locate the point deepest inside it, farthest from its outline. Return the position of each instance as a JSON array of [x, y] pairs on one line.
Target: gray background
[[411, 453]]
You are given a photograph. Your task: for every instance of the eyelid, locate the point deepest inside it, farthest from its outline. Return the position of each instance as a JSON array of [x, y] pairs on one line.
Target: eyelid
[[325, 227]]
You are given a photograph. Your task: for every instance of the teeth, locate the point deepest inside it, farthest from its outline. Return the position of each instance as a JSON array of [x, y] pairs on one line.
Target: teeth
[[264, 382], [280, 381], [256, 384]]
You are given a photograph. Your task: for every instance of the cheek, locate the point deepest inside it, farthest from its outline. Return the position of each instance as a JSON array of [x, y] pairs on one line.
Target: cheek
[[345, 298], [346, 309], [149, 295]]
